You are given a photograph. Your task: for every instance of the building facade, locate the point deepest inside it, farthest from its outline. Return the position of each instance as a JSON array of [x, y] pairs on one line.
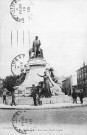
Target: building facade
[[82, 79], [66, 85], [69, 83]]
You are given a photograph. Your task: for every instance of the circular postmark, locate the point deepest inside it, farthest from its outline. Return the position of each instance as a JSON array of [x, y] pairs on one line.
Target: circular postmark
[[17, 64], [21, 122], [21, 10]]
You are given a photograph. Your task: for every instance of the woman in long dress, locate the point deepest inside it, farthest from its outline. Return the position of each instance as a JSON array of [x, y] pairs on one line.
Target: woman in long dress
[[46, 83]]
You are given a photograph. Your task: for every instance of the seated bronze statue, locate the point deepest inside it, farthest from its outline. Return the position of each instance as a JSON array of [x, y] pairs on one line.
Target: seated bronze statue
[[38, 52]]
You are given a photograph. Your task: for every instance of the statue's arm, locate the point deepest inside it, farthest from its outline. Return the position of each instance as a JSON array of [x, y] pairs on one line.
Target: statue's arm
[[40, 75]]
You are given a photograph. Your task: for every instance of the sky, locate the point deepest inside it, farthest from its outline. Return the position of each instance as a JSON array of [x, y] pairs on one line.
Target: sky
[[61, 26]]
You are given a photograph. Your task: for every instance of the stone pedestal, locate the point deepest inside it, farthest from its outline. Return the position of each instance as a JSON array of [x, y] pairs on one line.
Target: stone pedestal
[[36, 66]]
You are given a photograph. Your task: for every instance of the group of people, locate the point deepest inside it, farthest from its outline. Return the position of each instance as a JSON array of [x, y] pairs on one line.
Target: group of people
[[79, 94], [36, 96], [43, 88]]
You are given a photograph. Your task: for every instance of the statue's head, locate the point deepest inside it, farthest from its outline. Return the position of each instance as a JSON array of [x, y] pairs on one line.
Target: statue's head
[[45, 72], [36, 37], [33, 85]]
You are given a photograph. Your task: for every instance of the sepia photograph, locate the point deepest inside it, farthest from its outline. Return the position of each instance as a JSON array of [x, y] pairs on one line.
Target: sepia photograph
[[43, 67]]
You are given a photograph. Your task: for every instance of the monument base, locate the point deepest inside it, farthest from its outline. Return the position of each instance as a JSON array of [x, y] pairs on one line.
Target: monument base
[[36, 66]]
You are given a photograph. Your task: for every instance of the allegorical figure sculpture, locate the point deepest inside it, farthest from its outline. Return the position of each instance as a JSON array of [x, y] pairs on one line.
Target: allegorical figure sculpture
[[38, 52], [46, 83]]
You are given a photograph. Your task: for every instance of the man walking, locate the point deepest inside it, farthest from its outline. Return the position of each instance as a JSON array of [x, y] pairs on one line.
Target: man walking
[[4, 96], [81, 96], [34, 94], [13, 99], [74, 96]]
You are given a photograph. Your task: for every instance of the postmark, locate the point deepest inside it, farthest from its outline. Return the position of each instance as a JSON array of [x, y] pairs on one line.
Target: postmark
[[31, 121], [21, 122], [20, 10], [17, 64]]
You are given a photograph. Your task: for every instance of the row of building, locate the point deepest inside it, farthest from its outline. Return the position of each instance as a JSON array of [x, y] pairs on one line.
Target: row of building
[[78, 81]]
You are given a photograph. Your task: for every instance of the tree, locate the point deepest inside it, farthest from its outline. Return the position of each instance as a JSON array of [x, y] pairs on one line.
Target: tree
[[20, 78], [10, 82]]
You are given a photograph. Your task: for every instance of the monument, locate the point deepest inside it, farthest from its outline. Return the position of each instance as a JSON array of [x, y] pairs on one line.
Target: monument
[[35, 69]]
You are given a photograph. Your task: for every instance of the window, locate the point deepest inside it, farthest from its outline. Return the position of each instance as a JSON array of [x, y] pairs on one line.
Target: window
[[85, 74], [78, 77], [80, 83], [80, 71], [85, 69], [83, 82]]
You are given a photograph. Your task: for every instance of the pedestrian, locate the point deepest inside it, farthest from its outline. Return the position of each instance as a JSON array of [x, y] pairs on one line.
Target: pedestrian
[[65, 99], [74, 96], [13, 99], [37, 99], [34, 94], [81, 96], [4, 95]]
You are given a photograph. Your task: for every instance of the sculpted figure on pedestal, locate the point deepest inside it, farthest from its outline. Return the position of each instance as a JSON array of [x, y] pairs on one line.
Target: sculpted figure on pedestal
[[38, 52]]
